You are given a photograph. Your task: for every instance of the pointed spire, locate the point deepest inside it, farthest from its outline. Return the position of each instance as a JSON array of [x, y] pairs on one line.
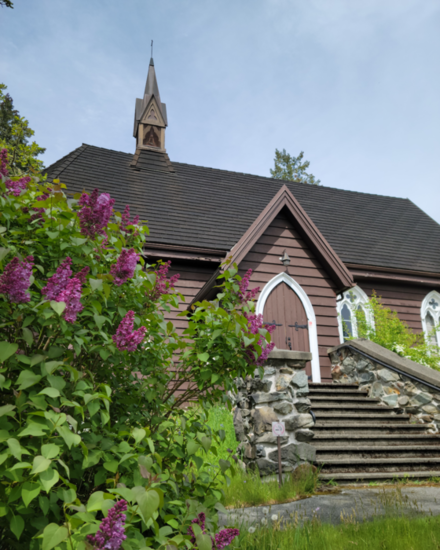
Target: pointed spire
[[151, 87]]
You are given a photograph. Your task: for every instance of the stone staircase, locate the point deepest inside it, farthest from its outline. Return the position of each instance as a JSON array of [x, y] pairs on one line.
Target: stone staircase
[[359, 440]]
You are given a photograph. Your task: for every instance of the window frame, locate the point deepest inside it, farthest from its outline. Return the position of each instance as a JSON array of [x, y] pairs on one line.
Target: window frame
[[435, 313], [353, 298]]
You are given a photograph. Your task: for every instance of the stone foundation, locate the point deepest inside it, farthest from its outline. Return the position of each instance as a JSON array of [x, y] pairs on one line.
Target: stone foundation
[[398, 382], [281, 395]]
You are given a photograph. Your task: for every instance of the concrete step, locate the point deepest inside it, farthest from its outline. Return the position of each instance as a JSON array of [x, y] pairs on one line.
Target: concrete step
[[330, 385], [345, 478], [328, 391], [377, 417], [356, 406], [333, 453], [342, 399], [370, 428], [382, 462], [372, 440]]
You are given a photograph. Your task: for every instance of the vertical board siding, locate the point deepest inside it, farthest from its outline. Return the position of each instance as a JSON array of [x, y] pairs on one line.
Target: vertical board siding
[[264, 261], [193, 276], [405, 300]]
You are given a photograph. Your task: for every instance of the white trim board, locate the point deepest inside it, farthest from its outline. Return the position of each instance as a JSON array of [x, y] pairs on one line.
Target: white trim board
[[307, 304]]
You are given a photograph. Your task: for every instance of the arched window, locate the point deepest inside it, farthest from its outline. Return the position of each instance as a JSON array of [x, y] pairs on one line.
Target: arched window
[[430, 313], [352, 300]]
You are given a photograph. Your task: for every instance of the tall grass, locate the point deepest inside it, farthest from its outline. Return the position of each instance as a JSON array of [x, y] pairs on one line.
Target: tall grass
[[389, 533], [247, 489]]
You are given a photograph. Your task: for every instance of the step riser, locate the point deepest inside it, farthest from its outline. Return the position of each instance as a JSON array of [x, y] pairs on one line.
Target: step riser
[[374, 442], [355, 455], [377, 419], [390, 471], [383, 430]]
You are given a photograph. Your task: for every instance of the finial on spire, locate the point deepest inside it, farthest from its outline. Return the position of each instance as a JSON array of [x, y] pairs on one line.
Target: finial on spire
[[151, 58]]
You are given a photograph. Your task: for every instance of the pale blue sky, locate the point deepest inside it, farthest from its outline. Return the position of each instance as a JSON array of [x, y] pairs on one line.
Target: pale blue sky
[[355, 84]]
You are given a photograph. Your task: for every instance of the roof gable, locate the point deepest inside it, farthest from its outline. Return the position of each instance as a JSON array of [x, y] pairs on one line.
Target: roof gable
[[286, 202]]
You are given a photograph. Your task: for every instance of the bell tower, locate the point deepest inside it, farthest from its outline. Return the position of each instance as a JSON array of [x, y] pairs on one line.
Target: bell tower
[[150, 116]]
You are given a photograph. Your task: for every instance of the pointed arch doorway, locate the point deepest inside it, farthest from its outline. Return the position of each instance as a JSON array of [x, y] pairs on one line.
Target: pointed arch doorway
[[284, 303]]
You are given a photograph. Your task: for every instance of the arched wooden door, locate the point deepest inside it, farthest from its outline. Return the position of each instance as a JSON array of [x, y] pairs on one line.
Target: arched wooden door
[[284, 309]]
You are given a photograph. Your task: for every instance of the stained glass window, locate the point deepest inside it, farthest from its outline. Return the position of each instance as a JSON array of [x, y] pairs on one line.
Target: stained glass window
[[351, 302], [430, 313]]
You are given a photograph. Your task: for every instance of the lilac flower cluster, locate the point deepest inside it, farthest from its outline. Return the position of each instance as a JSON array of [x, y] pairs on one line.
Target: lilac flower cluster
[[245, 294], [162, 283], [14, 187], [125, 219], [126, 338], [15, 280], [95, 213], [221, 540], [255, 323], [59, 280], [111, 531], [61, 288], [125, 267]]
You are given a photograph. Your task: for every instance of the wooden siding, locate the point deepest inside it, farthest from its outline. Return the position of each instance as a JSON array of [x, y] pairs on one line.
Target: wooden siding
[[405, 299], [263, 259], [193, 276]]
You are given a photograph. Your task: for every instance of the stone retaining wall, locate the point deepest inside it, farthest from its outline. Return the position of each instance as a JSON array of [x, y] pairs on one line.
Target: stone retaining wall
[[281, 395], [398, 382]]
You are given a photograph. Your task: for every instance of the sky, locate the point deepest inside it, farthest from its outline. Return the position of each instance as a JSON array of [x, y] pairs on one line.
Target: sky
[[353, 84]]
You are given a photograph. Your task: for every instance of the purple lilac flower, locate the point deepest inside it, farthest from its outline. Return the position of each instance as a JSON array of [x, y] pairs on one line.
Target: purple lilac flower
[[59, 279], [111, 531], [255, 323], [4, 162], [222, 539], [95, 213], [15, 280], [124, 268], [82, 275], [71, 296], [162, 283], [126, 338], [245, 294], [125, 219]]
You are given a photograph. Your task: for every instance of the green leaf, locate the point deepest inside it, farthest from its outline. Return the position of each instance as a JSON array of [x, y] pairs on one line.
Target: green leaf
[[44, 504], [4, 252], [40, 464], [203, 357], [6, 409], [99, 320], [58, 307], [93, 407], [4, 508], [105, 354], [96, 284], [51, 392], [30, 491], [53, 535], [95, 501], [204, 542], [50, 450], [224, 465], [69, 495], [111, 466], [15, 448], [124, 492], [148, 504], [29, 319], [138, 434], [70, 438], [28, 337], [6, 350], [145, 463], [49, 478], [36, 359], [206, 443], [192, 447], [26, 379], [52, 365], [32, 429], [17, 525]]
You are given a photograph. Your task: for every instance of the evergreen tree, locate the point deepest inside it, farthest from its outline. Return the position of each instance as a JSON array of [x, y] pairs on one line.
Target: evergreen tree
[[288, 167], [15, 136]]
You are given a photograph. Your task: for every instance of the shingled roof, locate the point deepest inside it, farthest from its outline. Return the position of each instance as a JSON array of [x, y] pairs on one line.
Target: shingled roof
[[208, 208]]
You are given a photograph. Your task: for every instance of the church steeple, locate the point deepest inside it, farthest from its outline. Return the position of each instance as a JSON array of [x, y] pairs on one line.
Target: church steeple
[[150, 116]]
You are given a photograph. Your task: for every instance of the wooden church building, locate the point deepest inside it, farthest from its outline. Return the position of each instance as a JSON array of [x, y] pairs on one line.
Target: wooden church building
[[342, 245]]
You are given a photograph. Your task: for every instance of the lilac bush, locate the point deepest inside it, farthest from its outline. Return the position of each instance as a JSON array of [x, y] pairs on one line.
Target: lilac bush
[[125, 266], [15, 280], [127, 339], [222, 539]]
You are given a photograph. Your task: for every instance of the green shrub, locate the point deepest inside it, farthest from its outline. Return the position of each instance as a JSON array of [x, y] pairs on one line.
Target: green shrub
[[91, 394], [393, 334]]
